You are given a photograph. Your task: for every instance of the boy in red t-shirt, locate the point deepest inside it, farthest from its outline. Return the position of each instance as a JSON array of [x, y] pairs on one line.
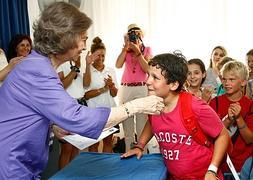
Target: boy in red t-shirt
[[184, 158], [235, 110]]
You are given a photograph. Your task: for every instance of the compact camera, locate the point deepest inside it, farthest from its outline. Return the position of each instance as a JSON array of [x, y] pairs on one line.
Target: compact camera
[[133, 37]]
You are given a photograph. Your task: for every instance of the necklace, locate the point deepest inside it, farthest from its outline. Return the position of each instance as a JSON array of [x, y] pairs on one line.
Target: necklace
[[134, 61]]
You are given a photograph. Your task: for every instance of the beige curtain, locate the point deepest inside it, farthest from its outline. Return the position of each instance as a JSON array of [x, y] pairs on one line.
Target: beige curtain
[[194, 26]]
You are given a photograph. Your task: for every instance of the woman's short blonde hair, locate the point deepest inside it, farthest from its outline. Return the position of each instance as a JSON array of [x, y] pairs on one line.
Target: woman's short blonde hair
[[237, 68], [58, 28]]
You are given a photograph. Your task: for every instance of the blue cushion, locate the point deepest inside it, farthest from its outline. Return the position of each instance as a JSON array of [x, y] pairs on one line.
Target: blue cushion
[[110, 166]]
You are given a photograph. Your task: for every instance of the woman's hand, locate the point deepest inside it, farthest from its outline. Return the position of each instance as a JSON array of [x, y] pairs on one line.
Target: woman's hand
[[108, 81], [90, 58], [147, 105], [59, 132], [207, 93], [14, 61], [134, 47], [132, 152]]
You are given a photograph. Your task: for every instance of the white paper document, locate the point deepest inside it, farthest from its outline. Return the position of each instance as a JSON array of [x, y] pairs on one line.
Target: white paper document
[[82, 142]]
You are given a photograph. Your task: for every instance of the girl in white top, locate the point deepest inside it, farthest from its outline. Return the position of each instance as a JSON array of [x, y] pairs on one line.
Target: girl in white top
[[195, 78], [98, 80], [101, 87], [71, 78]]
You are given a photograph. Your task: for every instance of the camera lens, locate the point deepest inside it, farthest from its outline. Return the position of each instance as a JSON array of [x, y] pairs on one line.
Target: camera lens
[[132, 36]]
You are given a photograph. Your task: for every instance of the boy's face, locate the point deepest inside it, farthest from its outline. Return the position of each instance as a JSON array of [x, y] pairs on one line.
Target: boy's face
[[232, 83], [157, 84], [250, 62]]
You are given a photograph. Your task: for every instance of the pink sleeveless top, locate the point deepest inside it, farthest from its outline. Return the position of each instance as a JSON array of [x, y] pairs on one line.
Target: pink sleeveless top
[[132, 71]]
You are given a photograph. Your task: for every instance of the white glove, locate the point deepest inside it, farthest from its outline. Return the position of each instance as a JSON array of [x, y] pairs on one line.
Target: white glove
[[147, 105]]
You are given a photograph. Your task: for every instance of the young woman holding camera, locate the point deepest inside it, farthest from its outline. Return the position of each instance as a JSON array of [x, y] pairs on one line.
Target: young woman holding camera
[[135, 56]]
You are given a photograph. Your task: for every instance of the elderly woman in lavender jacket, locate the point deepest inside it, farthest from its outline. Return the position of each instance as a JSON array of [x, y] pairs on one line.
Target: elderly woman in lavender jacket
[[32, 97]]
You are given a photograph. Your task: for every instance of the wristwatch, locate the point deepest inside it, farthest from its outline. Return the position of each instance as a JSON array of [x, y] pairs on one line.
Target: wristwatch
[[74, 68]]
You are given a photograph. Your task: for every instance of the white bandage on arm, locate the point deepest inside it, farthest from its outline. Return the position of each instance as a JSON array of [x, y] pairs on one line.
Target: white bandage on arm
[[212, 168]]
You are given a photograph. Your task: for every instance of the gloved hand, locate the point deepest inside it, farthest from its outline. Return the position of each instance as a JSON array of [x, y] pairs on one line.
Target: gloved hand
[[147, 105]]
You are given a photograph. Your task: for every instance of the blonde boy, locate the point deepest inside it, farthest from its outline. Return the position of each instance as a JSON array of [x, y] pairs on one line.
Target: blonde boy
[[235, 110]]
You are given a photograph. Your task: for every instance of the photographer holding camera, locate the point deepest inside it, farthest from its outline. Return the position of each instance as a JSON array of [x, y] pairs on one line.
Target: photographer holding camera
[[135, 56]]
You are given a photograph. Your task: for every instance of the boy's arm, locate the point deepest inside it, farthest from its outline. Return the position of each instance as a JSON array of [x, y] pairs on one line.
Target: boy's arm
[[220, 146], [146, 135], [234, 112], [244, 130]]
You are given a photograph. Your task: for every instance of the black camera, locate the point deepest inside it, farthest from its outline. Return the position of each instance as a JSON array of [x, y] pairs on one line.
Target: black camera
[[133, 37]]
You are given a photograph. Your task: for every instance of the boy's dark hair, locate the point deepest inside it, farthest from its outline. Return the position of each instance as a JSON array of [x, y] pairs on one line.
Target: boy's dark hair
[[200, 63], [173, 67]]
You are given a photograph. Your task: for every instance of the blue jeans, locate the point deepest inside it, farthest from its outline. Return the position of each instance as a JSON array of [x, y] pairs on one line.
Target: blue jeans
[[247, 169]]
